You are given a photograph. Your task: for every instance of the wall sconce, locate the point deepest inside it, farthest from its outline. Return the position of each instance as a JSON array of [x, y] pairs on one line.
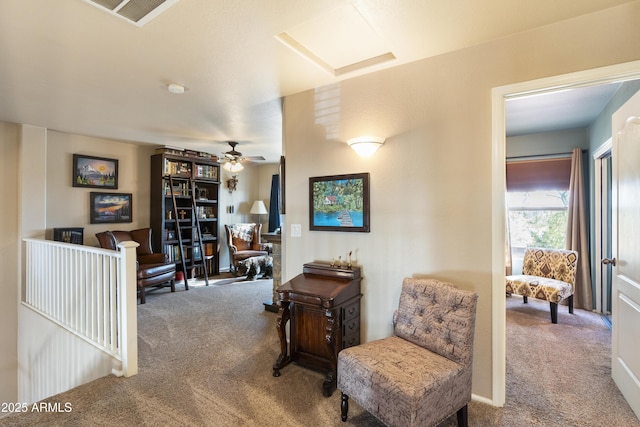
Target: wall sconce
[[365, 146], [232, 183]]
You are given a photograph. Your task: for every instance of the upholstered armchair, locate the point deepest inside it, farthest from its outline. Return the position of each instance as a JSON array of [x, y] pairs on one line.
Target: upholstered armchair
[[547, 274], [421, 375], [243, 240], [153, 269]]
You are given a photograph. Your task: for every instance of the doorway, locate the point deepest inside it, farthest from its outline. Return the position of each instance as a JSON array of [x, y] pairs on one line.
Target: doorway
[[602, 168], [615, 73]]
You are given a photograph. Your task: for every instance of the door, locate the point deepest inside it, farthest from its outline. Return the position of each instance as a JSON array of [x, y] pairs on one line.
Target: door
[[602, 237], [625, 345]]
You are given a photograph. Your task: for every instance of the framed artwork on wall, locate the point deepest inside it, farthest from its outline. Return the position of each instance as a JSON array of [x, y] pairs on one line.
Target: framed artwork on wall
[[95, 172], [110, 208], [339, 203]]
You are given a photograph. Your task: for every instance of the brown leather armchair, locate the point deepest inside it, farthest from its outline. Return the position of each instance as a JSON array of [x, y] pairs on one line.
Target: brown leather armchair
[[243, 240], [153, 270]]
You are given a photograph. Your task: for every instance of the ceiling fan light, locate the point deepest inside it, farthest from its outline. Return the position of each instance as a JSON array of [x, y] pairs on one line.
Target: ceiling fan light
[[233, 166], [365, 146]]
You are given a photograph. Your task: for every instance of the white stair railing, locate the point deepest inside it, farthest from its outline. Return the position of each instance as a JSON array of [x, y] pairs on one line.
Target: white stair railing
[[90, 292]]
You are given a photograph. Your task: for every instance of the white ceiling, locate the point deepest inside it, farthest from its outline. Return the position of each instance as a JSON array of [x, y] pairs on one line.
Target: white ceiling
[[563, 109], [72, 67]]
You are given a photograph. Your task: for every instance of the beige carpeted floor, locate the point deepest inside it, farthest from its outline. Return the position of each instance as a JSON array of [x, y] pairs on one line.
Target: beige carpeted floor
[[205, 358]]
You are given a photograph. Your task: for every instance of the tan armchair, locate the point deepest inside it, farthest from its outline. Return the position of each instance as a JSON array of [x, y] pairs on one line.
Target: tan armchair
[[243, 240], [153, 269], [421, 375]]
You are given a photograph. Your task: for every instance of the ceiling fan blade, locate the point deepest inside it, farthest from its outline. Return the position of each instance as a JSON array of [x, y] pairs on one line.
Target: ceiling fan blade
[[253, 158]]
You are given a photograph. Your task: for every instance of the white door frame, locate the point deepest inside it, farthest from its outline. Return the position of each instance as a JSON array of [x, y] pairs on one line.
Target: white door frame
[[600, 218], [609, 74]]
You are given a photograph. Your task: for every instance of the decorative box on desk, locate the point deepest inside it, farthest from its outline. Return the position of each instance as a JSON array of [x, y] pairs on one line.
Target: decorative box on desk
[[323, 307]]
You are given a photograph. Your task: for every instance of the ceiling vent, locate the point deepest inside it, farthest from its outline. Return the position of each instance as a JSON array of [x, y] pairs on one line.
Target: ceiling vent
[[138, 12]]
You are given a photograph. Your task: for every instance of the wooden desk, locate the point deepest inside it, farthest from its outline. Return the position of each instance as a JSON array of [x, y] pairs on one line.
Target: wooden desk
[[323, 307]]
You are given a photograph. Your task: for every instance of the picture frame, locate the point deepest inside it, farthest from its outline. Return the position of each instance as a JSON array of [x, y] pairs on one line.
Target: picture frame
[[110, 208], [339, 203], [95, 172]]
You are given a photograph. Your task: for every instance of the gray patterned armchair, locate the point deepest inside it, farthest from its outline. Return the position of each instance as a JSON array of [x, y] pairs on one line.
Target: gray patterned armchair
[[421, 374]]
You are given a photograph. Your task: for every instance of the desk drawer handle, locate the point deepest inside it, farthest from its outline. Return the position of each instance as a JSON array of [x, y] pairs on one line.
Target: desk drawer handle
[[352, 326]]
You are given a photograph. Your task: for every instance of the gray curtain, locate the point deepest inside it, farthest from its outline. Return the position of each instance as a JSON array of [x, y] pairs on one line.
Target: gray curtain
[[577, 234]]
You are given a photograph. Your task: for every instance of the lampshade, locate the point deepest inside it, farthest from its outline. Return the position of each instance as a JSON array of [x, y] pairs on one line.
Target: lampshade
[[258, 208], [233, 166], [365, 146]]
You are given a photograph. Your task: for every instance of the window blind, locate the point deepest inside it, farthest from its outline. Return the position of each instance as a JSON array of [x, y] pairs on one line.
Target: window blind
[[539, 174]]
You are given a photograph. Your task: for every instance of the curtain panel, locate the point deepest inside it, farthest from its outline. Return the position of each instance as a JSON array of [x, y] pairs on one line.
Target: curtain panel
[[577, 234]]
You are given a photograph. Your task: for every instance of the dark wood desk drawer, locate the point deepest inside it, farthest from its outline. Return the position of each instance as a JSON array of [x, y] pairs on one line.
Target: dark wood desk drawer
[[351, 326], [351, 311], [351, 340], [305, 299]]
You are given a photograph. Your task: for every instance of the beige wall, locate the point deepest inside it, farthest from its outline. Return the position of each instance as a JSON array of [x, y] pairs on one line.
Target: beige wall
[[431, 183], [254, 183], [68, 206], [8, 261]]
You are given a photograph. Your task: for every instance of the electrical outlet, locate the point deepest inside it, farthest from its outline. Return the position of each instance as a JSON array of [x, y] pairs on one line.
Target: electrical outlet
[[296, 230]]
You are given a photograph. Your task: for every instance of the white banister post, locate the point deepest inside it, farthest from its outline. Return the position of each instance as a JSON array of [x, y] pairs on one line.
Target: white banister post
[[128, 304]]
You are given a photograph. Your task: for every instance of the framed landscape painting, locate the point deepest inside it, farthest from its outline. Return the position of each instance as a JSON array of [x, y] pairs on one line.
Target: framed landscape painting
[[95, 172], [339, 202], [110, 208]]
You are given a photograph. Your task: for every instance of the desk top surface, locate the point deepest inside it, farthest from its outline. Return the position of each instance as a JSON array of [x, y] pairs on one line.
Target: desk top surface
[[334, 285]]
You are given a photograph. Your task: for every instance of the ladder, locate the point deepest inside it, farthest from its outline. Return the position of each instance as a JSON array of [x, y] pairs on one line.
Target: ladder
[[188, 231]]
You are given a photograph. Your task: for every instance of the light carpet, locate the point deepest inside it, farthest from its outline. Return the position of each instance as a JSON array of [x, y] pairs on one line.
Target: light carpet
[[206, 356]]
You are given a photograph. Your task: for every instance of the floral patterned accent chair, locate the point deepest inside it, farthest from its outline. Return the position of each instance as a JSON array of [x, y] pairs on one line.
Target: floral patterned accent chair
[[548, 274], [421, 375], [244, 242]]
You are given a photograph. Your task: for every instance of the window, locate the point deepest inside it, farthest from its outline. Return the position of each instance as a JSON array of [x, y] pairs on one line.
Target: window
[[536, 218], [537, 201]]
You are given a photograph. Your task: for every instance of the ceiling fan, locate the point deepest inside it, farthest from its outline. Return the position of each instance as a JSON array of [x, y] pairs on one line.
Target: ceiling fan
[[232, 160]]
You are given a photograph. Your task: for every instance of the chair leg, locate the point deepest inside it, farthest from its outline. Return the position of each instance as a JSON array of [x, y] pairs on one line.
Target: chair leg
[[525, 299], [344, 407], [570, 303], [233, 270], [463, 417], [554, 312], [142, 295], [173, 285]]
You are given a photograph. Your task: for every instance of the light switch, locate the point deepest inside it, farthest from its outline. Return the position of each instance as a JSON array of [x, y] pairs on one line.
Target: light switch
[[296, 230]]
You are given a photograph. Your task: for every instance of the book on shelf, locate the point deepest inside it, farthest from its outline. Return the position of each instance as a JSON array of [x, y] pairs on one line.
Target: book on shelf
[[208, 249], [173, 252], [206, 171], [167, 149], [173, 167]]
